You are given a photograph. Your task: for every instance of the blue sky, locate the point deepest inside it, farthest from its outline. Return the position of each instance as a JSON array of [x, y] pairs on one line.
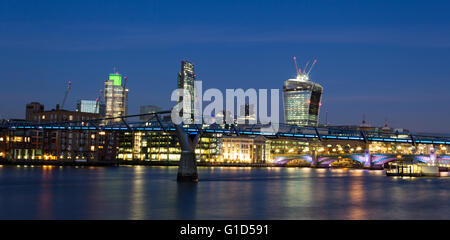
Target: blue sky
[[385, 59]]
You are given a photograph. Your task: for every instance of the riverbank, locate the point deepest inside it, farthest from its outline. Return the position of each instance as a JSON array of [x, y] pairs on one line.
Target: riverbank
[[162, 163]]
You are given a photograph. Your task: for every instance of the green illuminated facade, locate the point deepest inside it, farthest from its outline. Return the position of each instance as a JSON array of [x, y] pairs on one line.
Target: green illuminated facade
[[116, 97], [116, 79]]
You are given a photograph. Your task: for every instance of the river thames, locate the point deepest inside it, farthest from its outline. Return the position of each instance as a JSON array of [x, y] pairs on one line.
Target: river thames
[[144, 192]]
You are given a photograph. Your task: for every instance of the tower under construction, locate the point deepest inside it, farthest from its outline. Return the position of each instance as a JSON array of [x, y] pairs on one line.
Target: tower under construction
[[301, 98], [116, 96]]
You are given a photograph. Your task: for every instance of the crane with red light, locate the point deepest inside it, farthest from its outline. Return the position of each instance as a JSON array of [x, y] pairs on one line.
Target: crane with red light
[[99, 98], [305, 71], [312, 65], [66, 93]]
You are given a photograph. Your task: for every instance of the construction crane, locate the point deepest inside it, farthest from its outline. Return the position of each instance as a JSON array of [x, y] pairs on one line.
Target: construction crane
[[305, 71], [306, 66], [124, 92], [97, 103], [312, 65], [125, 82], [296, 66], [66, 93]]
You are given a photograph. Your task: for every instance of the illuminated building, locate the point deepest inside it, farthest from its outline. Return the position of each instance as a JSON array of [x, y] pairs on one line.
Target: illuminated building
[[116, 96], [254, 149], [301, 100], [162, 146], [186, 79], [281, 147], [55, 144], [92, 145], [91, 106], [65, 145], [148, 109]]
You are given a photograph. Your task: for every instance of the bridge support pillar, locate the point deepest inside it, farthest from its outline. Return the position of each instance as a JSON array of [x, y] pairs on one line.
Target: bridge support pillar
[[368, 157], [315, 158], [433, 158], [187, 170]]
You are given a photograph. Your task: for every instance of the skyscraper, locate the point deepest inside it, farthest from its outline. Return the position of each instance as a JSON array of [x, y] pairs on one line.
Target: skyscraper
[[186, 79], [116, 96], [301, 100]]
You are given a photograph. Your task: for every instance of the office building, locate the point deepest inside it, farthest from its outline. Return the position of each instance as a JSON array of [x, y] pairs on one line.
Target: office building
[[164, 146], [252, 149], [301, 100], [186, 79], [58, 144], [116, 96]]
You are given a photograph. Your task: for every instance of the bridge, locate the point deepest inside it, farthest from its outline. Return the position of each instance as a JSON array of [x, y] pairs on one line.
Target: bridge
[[188, 136], [367, 160]]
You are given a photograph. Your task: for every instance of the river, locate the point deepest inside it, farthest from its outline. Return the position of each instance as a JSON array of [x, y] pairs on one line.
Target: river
[[145, 192]]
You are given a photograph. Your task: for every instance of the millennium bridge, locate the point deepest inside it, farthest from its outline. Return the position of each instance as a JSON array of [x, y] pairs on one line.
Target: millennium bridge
[[188, 135]]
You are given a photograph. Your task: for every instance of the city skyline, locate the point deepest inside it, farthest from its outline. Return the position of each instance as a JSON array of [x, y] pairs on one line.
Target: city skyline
[[375, 67], [254, 110]]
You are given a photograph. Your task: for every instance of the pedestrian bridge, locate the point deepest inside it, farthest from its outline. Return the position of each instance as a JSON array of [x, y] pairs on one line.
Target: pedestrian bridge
[[188, 136], [160, 122]]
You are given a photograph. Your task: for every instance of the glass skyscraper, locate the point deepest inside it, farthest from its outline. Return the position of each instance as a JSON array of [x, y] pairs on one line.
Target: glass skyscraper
[[116, 97], [186, 79], [301, 100]]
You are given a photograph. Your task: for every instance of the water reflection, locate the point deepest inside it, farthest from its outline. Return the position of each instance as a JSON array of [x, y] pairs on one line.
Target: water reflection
[[138, 197], [222, 193], [357, 200], [45, 193]]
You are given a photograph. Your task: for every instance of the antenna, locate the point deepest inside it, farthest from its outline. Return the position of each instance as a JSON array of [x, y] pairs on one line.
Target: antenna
[[312, 65]]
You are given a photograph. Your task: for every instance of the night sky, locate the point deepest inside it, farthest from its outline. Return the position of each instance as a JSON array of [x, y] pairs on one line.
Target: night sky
[[385, 59]]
